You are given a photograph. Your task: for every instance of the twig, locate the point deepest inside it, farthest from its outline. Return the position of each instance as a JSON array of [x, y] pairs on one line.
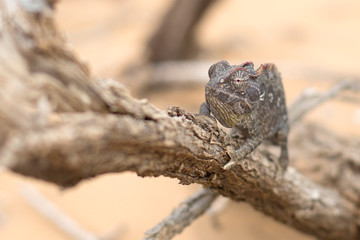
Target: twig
[[182, 216], [192, 72], [175, 36], [63, 221], [55, 215], [310, 99], [114, 234], [216, 208]]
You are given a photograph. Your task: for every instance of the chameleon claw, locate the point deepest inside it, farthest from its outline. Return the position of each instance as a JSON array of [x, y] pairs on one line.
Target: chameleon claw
[[229, 165], [230, 150]]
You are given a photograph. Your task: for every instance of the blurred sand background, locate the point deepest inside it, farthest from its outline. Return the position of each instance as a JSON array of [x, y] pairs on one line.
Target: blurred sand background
[[311, 41]]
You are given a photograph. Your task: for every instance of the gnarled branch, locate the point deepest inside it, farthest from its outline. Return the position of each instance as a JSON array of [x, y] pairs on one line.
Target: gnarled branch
[[60, 125]]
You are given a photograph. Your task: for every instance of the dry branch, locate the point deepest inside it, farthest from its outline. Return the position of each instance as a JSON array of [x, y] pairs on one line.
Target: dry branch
[[182, 216], [55, 215], [62, 220], [337, 162], [174, 74], [341, 174], [175, 36], [60, 125], [309, 99]]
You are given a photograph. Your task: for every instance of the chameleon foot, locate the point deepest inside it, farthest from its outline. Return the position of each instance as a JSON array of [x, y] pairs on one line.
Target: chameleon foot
[[234, 157], [229, 165]]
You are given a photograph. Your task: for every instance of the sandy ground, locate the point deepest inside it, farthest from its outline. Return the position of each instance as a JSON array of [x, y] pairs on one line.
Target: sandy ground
[[304, 38]]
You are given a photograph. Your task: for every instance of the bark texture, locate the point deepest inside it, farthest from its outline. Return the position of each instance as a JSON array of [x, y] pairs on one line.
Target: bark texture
[[182, 216], [60, 125]]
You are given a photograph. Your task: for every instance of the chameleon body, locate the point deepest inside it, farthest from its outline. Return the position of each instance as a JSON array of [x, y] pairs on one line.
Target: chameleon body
[[251, 101]]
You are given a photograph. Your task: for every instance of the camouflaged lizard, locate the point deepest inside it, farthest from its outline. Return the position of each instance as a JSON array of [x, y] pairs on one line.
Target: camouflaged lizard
[[253, 102]]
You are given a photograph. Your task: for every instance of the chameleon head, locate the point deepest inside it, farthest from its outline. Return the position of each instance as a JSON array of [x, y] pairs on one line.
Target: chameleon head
[[232, 91]]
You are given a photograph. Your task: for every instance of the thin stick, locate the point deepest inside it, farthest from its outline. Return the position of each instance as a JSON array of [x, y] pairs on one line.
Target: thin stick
[[55, 215], [182, 216], [216, 208], [308, 100]]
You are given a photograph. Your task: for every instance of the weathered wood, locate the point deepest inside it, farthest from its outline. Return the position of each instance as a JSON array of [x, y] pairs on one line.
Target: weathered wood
[[60, 125], [182, 216]]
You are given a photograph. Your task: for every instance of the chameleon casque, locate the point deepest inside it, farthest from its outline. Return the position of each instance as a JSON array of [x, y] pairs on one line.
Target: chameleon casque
[[253, 102]]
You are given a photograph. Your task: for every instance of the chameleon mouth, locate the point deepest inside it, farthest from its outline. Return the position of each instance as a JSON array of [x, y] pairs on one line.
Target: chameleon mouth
[[221, 105], [223, 113]]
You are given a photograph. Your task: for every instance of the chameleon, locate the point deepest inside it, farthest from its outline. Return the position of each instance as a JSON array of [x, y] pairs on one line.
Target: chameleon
[[251, 102]]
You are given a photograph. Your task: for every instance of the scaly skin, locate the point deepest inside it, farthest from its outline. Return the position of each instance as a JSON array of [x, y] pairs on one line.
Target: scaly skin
[[253, 102]]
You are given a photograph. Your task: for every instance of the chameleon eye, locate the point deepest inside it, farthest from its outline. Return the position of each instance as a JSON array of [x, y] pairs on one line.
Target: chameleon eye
[[239, 84], [239, 80]]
